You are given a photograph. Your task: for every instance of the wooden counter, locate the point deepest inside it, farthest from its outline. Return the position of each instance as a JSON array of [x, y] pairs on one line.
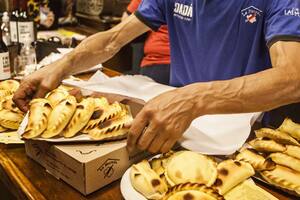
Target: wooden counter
[[26, 179]]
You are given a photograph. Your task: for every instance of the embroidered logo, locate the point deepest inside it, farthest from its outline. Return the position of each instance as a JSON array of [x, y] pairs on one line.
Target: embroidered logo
[[183, 11], [251, 14], [292, 12]]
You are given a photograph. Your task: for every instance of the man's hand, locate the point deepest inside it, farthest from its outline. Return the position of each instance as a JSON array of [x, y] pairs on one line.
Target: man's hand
[[161, 122], [37, 85]]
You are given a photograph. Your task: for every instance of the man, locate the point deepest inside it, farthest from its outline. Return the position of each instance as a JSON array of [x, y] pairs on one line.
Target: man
[[228, 56]]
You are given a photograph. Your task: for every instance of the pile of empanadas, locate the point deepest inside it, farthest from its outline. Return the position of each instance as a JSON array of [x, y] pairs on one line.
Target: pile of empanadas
[[10, 115], [59, 114], [275, 155], [188, 175]]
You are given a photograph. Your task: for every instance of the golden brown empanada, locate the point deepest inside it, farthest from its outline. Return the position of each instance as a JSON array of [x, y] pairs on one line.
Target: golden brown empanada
[[60, 117], [8, 104], [39, 112], [9, 85], [283, 177], [114, 128], [266, 145], [102, 112], [10, 119], [293, 151], [277, 136], [188, 166], [257, 161], [291, 128], [146, 181], [3, 94], [83, 113], [231, 173], [56, 96], [192, 191], [286, 160]]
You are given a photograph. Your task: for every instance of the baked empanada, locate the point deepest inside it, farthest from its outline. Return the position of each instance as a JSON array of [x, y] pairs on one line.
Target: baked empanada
[[146, 181], [257, 161], [231, 173], [291, 128], [8, 104], [39, 112], [266, 145], [293, 151], [192, 191], [277, 136], [56, 96], [10, 119], [103, 111], [114, 128], [188, 166], [159, 164], [3, 94], [10, 85], [60, 117], [247, 190], [283, 177], [83, 113], [286, 160]]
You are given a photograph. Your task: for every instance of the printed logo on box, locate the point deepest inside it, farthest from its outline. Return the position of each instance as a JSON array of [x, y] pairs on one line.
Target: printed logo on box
[[107, 168]]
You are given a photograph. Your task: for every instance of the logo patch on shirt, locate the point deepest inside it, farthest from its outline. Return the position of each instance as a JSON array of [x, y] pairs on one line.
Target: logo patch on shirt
[[183, 11], [251, 14], [292, 12]]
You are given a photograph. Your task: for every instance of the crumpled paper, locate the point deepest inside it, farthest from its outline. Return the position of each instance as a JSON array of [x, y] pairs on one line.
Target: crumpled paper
[[209, 134]]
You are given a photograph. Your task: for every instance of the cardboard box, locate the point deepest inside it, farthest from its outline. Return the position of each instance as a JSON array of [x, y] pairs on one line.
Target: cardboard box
[[86, 167]]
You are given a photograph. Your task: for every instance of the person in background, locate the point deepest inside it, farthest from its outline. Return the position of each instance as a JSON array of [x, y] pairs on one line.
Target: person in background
[[156, 61]]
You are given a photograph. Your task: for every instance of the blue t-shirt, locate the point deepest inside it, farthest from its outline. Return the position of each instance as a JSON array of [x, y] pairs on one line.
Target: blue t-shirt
[[221, 39]]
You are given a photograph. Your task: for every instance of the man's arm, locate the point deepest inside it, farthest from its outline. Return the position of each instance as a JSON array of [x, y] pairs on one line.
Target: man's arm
[[94, 50], [168, 115]]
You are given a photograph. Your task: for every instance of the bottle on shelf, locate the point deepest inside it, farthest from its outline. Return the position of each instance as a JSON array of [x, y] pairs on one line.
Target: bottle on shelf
[[14, 35], [26, 28], [4, 60], [5, 28]]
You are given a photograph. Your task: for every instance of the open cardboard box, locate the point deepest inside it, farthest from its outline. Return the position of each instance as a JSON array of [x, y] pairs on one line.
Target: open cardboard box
[[86, 166]]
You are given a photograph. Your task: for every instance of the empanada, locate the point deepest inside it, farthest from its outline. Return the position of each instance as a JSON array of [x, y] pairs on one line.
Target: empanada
[[60, 117], [283, 177], [159, 164], [10, 119], [9, 85], [192, 191], [8, 104], [231, 173], [277, 136], [247, 190], [146, 181], [102, 112], [188, 166], [266, 145], [257, 161], [39, 112], [291, 128], [83, 113], [114, 128], [286, 160], [56, 96], [293, 151], [3, 94]]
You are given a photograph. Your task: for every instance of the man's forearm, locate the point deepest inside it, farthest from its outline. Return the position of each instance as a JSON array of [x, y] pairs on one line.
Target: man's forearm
[[102, 46], [257, 92]]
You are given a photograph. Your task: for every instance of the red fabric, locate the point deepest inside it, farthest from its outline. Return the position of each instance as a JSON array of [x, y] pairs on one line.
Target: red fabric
[[157, 47]]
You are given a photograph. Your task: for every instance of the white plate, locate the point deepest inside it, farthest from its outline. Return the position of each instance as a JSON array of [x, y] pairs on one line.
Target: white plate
[[128, 192]]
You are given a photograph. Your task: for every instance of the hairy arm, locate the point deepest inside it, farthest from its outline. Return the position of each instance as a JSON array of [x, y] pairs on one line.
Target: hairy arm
[[102, 46], [257, 92], [164, 119]]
